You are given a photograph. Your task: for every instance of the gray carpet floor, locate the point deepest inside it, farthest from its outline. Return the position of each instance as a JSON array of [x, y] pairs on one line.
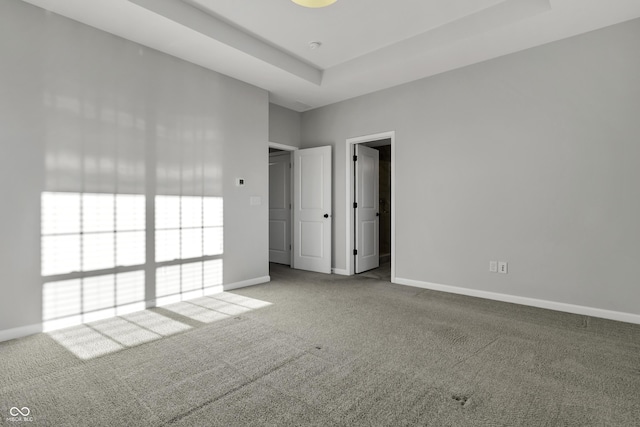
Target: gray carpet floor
[[326, 350]]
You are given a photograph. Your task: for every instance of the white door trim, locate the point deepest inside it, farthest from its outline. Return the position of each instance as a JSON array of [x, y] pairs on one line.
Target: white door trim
[[349, 199], [284, 147]]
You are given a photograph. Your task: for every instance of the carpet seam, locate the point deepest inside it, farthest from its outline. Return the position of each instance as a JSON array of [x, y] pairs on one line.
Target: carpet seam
[[233, 390]]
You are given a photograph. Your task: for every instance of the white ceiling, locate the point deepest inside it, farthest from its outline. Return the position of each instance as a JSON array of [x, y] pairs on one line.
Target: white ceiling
[[367, 45], [347, 30]]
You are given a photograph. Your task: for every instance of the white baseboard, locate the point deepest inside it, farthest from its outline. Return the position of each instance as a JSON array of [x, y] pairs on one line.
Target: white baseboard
[[550, 305], [340, 271], [245, 283], [22, 331]]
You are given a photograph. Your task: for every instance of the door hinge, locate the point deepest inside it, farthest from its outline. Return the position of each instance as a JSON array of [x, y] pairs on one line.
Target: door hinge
[[355, 205], [355, 158], [289, 247], [289, 165], [355, 252]]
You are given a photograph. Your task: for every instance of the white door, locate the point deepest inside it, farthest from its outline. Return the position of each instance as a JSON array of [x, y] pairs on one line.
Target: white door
[[280, 208], [312, 209], [367, 216]]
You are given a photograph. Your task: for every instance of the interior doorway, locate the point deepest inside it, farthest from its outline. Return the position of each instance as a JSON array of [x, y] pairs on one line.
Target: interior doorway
[[280, 220], [371, 206], [300, 207], [279, 206]]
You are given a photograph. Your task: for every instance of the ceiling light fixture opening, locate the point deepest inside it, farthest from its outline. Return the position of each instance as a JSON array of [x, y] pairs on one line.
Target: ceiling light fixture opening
[[314, 45], [314, 3]]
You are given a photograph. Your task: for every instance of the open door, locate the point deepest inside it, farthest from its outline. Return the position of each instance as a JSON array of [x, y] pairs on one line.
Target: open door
[[367, 213], [312, 209], [280, 207]]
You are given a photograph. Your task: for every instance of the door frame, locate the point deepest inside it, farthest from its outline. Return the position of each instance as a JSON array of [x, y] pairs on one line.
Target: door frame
[[282, 147], [290, 149], [350, 143]]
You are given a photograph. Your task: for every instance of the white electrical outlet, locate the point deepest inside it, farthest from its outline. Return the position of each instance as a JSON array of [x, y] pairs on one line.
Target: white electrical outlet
[[502, 267], [493, 266]]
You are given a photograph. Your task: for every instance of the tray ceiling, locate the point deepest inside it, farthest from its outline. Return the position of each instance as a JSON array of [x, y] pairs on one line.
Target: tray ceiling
[[366, 45]]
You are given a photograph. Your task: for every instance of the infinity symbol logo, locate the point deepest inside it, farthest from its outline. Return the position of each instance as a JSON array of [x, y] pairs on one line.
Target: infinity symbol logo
[[15, 411]]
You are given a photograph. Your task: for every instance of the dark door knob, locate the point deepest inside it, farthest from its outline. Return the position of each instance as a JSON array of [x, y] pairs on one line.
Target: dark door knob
[[377, 213], [326, 215]]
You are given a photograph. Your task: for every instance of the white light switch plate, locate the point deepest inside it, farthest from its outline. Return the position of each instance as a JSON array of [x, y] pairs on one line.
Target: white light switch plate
[[493, 266]]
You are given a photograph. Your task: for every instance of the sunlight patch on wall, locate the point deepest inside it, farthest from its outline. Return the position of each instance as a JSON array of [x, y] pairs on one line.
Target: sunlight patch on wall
[[84, 235], [71, 302], [188, 230], [188, 227], [81, 232], [176, 283], [94, 254]]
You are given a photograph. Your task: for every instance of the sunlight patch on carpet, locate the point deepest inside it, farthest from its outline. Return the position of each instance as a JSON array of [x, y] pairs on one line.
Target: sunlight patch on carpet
[[106, 336]]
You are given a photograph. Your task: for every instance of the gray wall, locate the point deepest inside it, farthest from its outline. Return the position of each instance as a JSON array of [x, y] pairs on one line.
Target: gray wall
[[84, 111], [284, 125], [532, 158]]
